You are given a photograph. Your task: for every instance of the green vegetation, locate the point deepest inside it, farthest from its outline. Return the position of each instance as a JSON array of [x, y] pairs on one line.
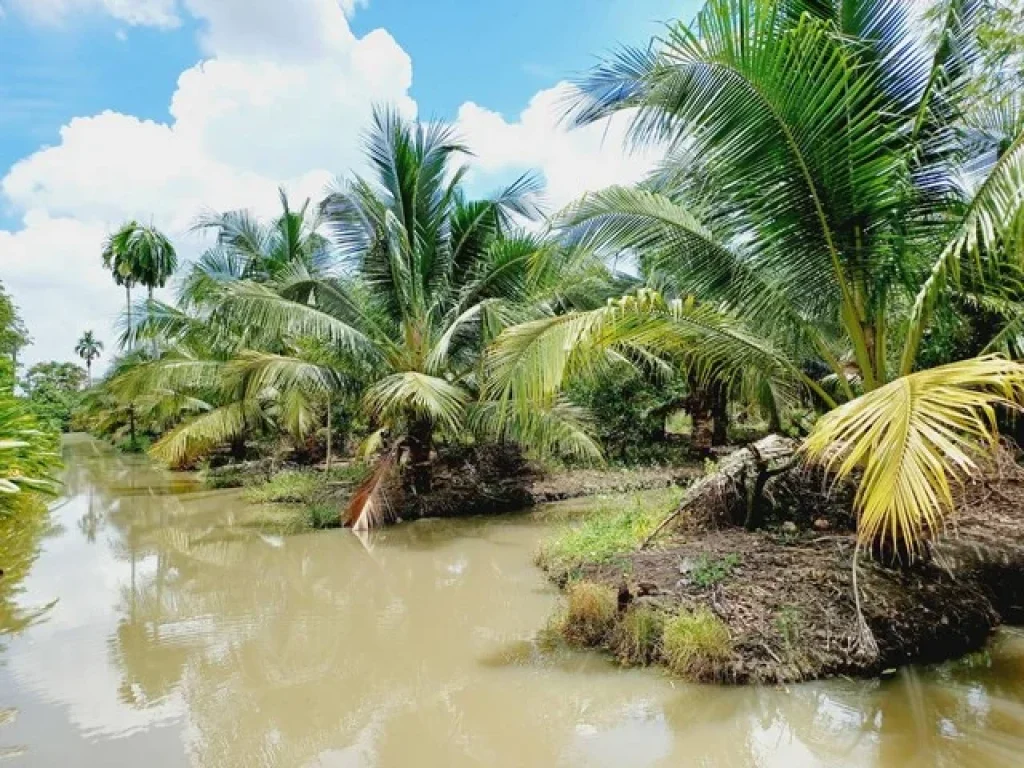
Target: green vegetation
[[840, 202], [29, 461], [798, 243], [617, 526], [89, 348], [288, 487], [692, 644], [636, 639], [54, 391], [710, 570]]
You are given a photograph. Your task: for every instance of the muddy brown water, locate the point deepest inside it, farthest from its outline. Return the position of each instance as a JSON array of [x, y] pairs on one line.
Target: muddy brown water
[[157, 627]]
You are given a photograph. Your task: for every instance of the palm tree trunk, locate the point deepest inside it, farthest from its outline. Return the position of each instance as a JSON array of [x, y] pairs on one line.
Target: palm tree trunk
[[328, 435], [421, 440], [153, 345], [700, 407], [720, 414], [128, 309], [88, 372]]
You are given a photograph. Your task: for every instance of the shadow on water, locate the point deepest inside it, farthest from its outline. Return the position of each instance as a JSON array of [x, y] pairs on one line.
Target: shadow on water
[[187, 636]]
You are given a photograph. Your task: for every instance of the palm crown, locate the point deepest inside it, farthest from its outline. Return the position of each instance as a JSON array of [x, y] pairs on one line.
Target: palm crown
[[822, 192], [88, 348], [418, 280]]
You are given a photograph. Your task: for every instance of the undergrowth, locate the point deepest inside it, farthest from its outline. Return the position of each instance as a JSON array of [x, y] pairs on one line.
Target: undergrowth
[[616, 527]]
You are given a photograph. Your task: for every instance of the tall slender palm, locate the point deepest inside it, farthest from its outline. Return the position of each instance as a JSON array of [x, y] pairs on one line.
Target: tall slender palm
[[822, 196], [139, 255], [88, 348]]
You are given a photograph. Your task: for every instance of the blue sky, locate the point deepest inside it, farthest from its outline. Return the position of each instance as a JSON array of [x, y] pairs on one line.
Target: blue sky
[[112, 109]]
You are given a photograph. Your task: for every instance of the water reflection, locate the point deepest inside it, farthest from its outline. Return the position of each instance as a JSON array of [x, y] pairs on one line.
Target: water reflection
[[184, 635]]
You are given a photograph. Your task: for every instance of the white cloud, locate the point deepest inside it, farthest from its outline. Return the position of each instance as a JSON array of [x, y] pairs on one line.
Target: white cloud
[[283, 96], [153, 13], [572, 161]]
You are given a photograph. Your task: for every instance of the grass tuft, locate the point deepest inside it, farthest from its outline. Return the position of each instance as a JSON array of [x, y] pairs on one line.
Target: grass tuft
[[614, 529], [694, 644], [590, 613], [320, 516], [637, 636]]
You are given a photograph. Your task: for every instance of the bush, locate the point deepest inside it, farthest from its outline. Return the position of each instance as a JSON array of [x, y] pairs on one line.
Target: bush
[[693, 644], [637, 636], [590, 613], [140, 444], [630, 411], [617, 527]]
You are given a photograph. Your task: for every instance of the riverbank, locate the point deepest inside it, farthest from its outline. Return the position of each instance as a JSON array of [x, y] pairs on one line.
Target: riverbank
[[777, 605], [477, 482]]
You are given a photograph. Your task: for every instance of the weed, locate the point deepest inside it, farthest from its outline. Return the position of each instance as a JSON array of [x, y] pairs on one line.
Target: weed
[[320, 516], [710, 571], [694, 644], [290, 486], [789, 624]]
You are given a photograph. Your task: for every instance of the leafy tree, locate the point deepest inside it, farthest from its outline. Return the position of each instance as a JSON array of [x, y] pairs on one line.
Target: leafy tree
[[13, 336], [818, 205], [53, 391], [88, 348]]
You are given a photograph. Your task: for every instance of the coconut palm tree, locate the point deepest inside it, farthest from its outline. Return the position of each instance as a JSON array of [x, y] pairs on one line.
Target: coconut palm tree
[[823, 194], [88, 348], [198, 389], [424, 278]]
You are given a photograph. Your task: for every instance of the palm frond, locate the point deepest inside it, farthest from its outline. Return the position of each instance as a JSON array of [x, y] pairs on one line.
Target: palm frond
[[911, 439]]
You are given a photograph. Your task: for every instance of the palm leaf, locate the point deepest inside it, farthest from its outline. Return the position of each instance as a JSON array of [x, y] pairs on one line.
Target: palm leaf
[[911, 438]]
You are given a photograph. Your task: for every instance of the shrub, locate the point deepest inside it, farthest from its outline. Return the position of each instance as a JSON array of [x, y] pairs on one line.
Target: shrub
[[637, 636], [590, 613], [693, 644]]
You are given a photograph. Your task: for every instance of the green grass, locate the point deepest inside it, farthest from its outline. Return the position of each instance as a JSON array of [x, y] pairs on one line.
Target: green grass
[[616, 527], [304, 486], [637, 636], [319, 516], [291, 487], [693, 645]]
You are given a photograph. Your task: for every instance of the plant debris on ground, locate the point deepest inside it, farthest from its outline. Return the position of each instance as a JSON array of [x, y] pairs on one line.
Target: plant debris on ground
[[777, 604]]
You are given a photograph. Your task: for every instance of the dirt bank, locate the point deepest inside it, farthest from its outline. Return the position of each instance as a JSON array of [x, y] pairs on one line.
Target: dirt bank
[[489, 479], [783, 596]]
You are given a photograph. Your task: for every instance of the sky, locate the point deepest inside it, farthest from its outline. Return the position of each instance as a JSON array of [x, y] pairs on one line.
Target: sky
[[160, 109]]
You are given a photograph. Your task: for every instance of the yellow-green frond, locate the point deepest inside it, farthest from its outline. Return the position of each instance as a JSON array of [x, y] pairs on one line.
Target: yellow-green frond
[[911, 439]]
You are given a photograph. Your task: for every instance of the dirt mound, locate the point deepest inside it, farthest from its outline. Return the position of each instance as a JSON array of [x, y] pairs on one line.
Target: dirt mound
[[785, 592]]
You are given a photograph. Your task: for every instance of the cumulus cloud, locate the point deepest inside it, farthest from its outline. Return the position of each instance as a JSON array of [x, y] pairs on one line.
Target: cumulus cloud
[[282, 97], [151, 13], [572, 161], [241, 125]]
